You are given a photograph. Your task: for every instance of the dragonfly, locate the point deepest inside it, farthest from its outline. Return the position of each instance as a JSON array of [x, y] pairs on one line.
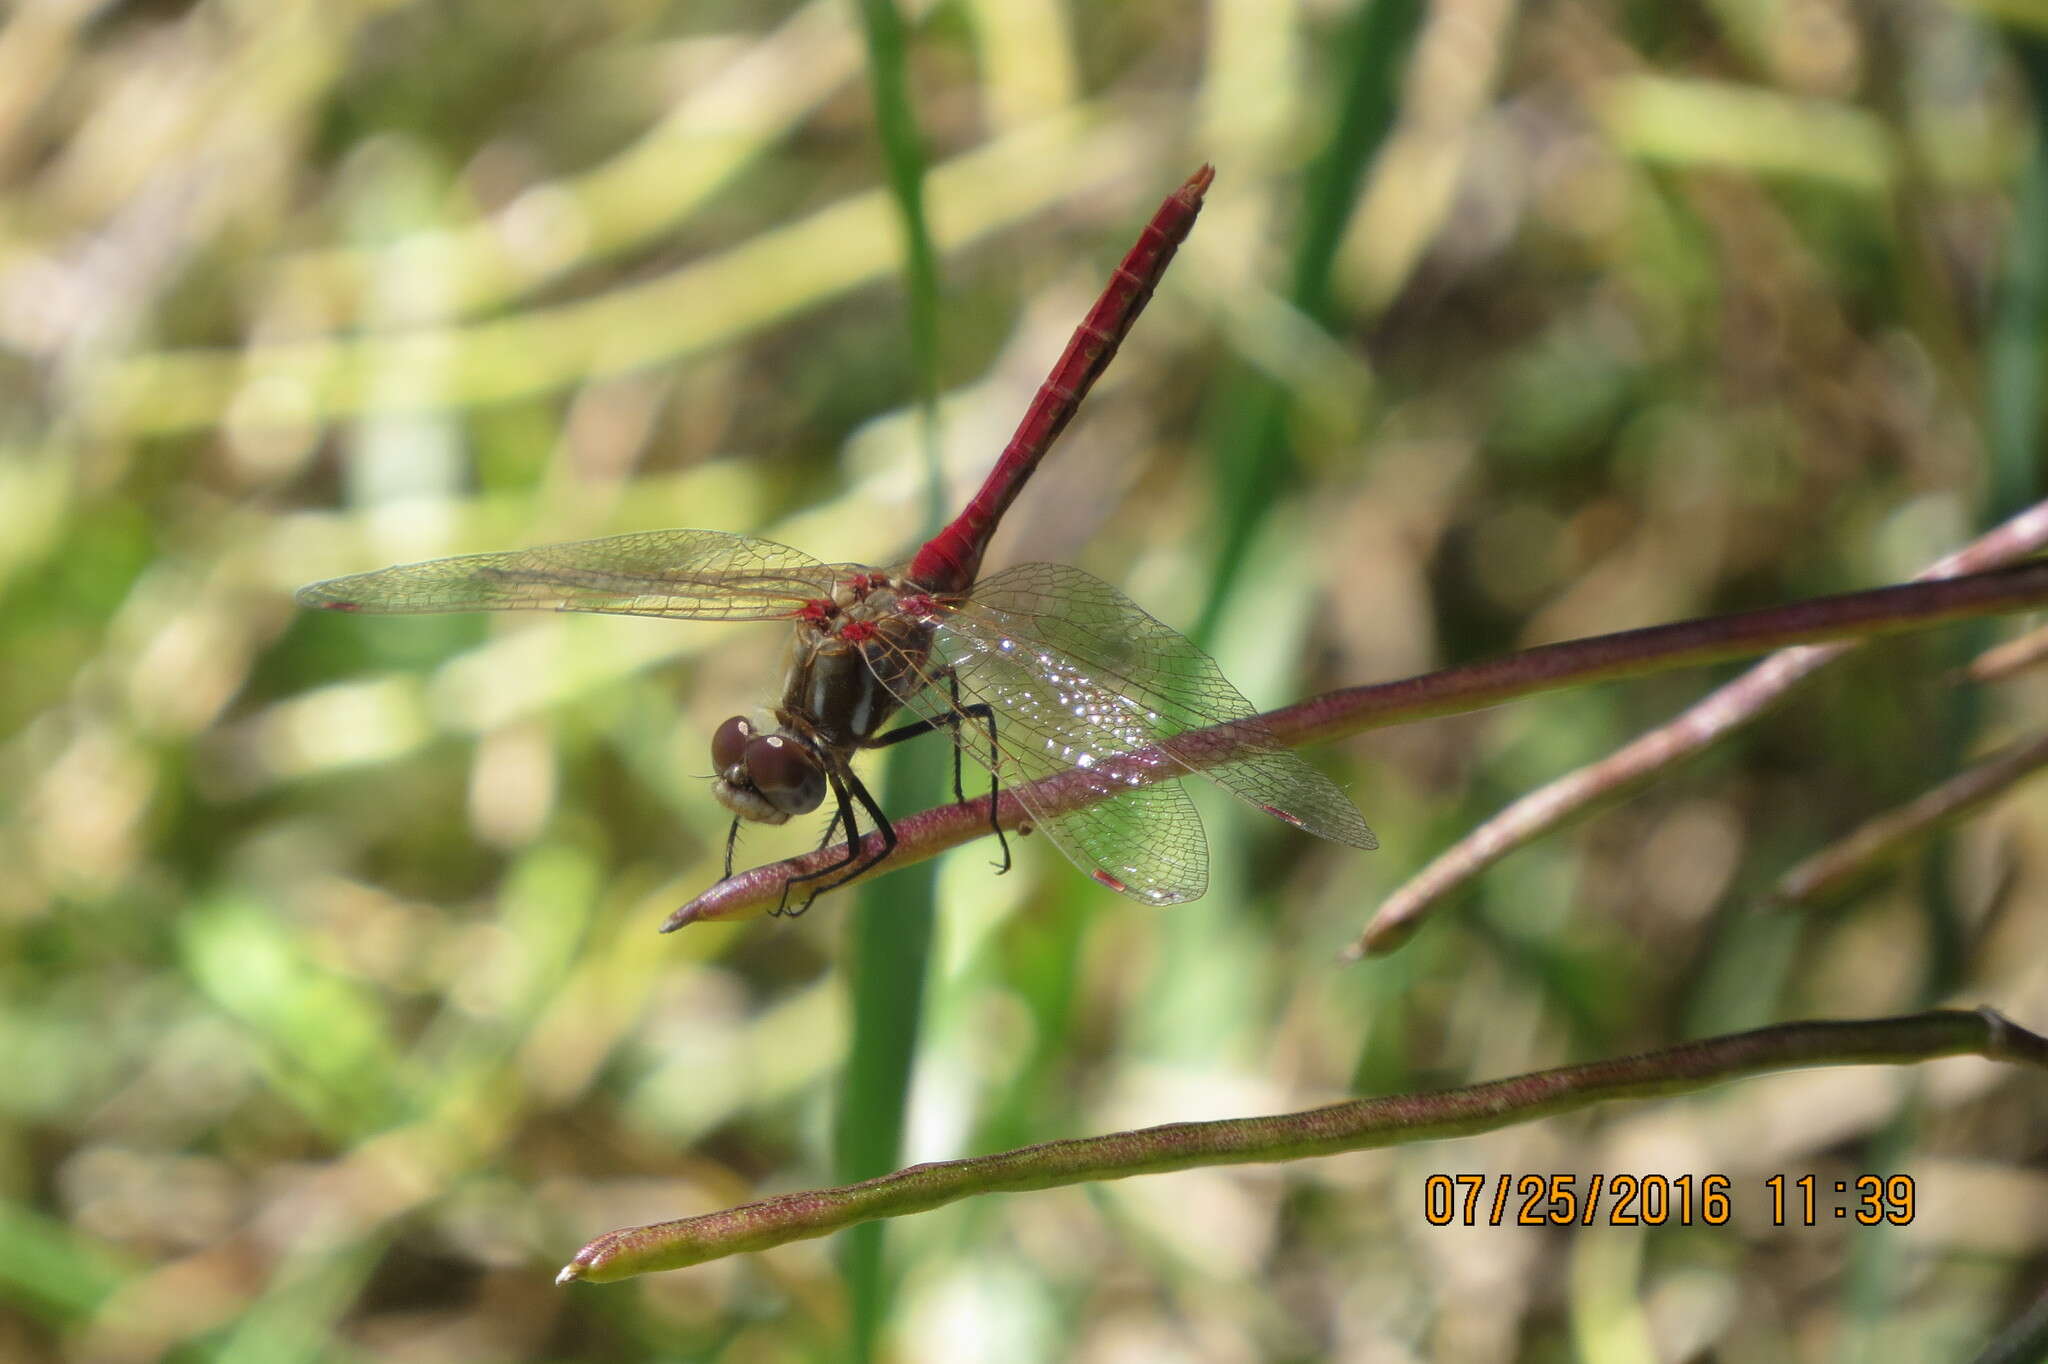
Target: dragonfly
[[1036, 670]]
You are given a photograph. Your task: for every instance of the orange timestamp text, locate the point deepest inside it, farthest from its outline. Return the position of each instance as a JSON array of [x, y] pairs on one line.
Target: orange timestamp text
[[1652, 1200]]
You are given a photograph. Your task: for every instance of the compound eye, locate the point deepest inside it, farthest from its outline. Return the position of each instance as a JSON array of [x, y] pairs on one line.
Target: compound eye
[[786, 774], [729, 744]]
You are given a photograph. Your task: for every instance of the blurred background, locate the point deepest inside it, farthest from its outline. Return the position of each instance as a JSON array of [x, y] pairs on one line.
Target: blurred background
[[334, 1019]]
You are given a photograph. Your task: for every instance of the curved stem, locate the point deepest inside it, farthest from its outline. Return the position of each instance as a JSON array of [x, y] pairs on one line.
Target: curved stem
[[1354, 1126], [1890, 835], [2013, 656], [1473, 686], [1703, 724]]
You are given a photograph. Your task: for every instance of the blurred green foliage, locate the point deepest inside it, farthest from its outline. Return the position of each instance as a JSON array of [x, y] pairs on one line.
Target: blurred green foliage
[[332, 1012]]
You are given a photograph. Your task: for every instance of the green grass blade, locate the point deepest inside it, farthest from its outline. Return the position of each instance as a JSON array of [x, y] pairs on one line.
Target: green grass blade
[[2013, 369], [1251, 461], [889, 941]]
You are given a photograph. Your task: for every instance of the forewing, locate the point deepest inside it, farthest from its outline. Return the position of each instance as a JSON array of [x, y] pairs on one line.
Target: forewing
[[1142, 840], [686, 574], [1079, 673]]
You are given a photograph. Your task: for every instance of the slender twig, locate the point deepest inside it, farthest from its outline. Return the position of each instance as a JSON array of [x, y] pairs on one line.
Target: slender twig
[[2015, 655], [1632, 653], [1358, 1125], [1834, 868], [1705, 723]]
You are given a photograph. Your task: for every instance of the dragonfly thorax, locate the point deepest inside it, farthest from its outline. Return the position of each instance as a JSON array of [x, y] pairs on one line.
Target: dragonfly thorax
[[854, 657]]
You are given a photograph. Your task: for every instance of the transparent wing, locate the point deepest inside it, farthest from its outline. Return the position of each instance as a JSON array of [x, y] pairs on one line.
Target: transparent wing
[[1145, 842], [1078, 674], [687, 574], [1140, 840]]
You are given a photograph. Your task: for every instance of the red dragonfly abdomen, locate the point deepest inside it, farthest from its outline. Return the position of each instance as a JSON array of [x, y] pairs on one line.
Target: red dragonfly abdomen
[[951, 559]]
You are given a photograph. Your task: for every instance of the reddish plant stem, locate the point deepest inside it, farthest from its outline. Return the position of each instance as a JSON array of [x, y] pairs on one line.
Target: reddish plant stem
[[1700, 727], [1836, 867], [2015, 655], [1858, 615], [1358, 1125]]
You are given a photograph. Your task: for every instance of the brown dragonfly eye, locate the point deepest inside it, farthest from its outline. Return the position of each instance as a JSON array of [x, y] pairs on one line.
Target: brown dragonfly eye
[[786, 774], [729, 744]]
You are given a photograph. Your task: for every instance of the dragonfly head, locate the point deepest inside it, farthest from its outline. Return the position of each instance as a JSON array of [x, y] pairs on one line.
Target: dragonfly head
[[765, 776]]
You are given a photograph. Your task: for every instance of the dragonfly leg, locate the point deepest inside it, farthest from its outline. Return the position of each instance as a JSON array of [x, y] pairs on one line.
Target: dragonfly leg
[[847, 789], [842, 813], [986, 716], [732, 842]]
